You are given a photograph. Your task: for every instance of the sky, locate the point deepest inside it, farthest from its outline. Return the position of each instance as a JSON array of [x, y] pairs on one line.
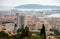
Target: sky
[[7, 4], [13, 3]]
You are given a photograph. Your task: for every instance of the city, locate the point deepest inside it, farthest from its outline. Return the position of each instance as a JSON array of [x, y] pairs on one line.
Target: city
[[29, 19], [34, 22]]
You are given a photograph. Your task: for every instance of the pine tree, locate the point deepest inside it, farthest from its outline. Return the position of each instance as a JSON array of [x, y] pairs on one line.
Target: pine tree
[[42, 33], [22, 32], [26, 31]]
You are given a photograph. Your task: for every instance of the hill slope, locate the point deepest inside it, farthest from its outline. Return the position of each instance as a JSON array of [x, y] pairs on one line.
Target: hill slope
[[35, 6]]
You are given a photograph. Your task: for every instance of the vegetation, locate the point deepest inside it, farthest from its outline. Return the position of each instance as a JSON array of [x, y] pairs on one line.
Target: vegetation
[[56, 33], [26, 31], [33, 37], [25, 34], [42, 33], [3, 35]]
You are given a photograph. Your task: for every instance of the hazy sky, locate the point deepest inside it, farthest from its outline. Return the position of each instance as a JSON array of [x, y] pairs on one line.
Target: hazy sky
[[13, 3]]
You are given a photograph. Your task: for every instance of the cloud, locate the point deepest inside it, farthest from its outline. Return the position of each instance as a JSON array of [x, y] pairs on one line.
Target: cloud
[[54, 15]]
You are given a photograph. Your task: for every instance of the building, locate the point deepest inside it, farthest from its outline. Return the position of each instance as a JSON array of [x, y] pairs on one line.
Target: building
[[20, 20]]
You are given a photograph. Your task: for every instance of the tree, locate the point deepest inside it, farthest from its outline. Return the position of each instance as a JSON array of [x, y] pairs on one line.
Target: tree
[[15, 25], [26, 31], [23, 30], [42, 33], [4, 35], [19, 30], [22, 35]]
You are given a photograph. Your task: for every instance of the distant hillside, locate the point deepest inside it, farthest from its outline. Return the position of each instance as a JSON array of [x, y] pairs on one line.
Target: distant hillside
[[35, 6]]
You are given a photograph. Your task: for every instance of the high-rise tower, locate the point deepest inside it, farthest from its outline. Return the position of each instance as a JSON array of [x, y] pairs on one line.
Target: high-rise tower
[[20, 20], [17, 19]]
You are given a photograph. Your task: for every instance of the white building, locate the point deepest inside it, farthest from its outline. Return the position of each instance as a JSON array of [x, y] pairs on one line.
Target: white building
[[20, 20]]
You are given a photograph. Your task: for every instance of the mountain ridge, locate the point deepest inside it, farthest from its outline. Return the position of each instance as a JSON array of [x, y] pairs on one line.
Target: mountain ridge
[[36, 6]]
